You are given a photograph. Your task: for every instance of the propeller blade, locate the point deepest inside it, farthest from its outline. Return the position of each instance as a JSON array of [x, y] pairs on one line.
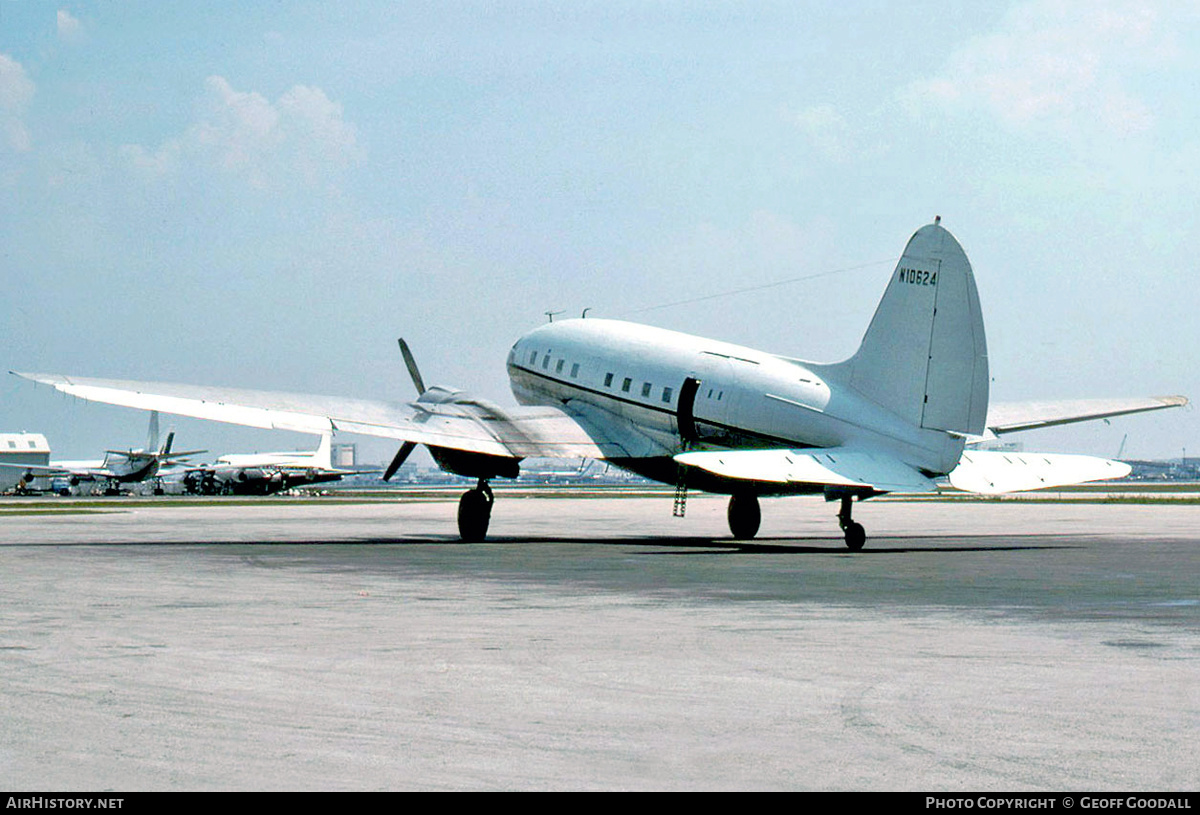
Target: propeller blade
[[411, 362], [404, 452]]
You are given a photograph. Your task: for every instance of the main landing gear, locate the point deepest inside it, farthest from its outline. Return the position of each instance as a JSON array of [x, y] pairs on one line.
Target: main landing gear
[[475, 512], [744, 515]]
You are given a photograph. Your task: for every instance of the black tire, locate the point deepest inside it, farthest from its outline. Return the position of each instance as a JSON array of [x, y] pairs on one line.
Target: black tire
[[744, 516], [474, 515], [856, 536]]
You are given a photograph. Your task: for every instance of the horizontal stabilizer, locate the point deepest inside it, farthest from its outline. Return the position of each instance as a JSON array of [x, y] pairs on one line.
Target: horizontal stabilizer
[[1011, 417], [832, 467], [991, 472]]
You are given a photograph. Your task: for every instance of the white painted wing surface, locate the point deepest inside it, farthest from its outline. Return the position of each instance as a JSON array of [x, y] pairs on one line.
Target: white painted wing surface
[[86, 470], [835, 467], [471, 425], [1010, 417], [36, 469], [991, 472]]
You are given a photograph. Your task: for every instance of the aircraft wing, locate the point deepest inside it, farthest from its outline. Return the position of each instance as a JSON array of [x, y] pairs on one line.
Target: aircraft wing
[[991, 472], [49, 471], [470, 425], [811, 470], [37, 469], [1010, 417]]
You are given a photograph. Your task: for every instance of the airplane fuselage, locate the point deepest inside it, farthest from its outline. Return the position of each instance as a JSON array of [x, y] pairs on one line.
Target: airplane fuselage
[[679, 391]]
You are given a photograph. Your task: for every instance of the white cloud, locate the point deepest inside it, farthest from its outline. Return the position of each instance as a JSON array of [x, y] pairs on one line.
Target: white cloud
[[69, 27], [826, 130], [16, 89], [242, 134], [1058, 66]]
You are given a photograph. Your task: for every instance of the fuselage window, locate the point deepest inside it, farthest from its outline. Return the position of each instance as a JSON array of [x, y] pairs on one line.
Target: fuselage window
[[608, 380], [533, 357], [625, 385], [719, 395], [574, 370], [559, 366], [667, 395], [546, 361], [645, 390], [710, 393]]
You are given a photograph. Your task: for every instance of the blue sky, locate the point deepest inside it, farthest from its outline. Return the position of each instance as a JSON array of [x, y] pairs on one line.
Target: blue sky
[[268, 194]]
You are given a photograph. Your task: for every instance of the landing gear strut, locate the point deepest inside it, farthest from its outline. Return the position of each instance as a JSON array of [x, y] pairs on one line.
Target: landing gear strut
[[744, 515], [856, 536], [475, 512]]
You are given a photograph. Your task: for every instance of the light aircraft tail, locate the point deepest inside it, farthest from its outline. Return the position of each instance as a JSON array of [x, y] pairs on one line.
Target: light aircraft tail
[[323, 457], [924, 356], [152, 433]]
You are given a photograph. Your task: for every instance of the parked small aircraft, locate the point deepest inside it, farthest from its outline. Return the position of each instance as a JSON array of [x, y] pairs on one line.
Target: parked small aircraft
[[118, 466], [265, 473], [703, 414]]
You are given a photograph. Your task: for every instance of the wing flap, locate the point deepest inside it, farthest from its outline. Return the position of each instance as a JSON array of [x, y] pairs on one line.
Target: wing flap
[[990, 472], [832, 467]]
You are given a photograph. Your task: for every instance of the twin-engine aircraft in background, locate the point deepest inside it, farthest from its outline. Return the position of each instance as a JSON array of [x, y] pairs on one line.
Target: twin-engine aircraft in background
[[265, 473], [703, 414], [118, 466]]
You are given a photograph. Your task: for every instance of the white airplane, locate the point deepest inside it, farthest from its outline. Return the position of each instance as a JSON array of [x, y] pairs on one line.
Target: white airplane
[[708, 415], [118, 466], [266, 473]]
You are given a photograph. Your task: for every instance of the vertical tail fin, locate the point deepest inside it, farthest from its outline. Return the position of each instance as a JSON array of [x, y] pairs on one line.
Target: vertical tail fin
[[323, 457], [924, 356], [152, 433]]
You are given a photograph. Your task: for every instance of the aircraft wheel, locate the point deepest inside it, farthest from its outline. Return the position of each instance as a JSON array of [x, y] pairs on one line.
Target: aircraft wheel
[[856, 536], [474, 514], [744, 515]]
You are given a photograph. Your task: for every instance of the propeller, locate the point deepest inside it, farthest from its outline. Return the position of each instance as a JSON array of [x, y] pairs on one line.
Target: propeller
[[403, 453], [411, 362], [406, 449]]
